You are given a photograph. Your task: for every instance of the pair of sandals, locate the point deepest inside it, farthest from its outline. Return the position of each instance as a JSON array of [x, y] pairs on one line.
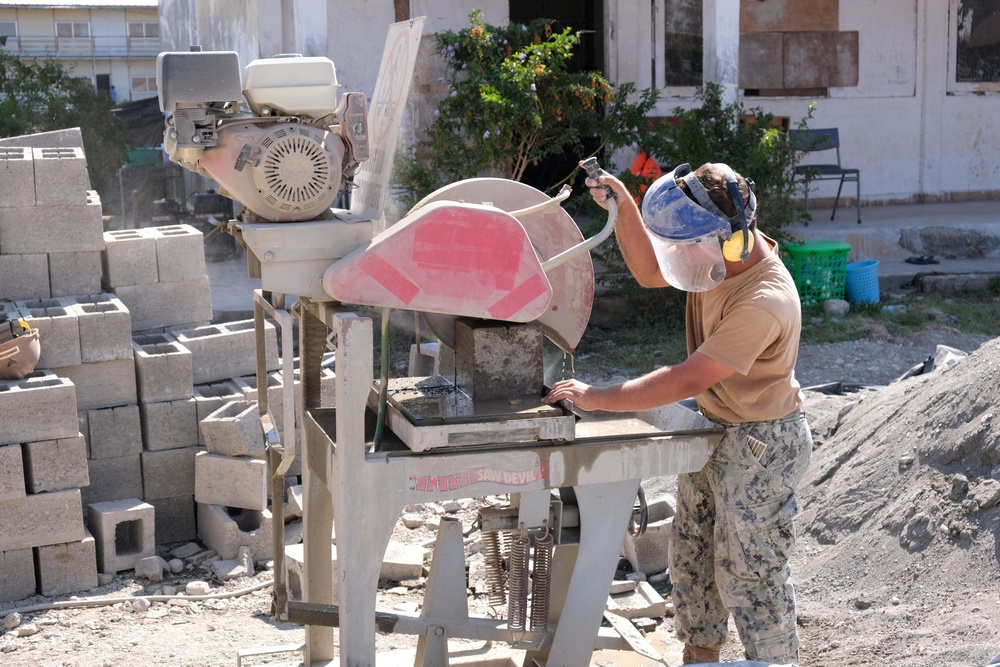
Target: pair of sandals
[[922, 259]]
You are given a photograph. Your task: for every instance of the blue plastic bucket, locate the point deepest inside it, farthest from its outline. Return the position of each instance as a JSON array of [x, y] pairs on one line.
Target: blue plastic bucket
[[862, 282]]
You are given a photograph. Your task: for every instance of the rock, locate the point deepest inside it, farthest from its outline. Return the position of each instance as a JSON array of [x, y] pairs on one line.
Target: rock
[[27, 630], [176, 565], [986, 493], [412, 521], [862, 603], [141, 605], [198, 588], [224, 570], [245, 557], [623, 586], [11, 621], [836, 307], [186, 551], [169, 590], [959, 486], [104, 579], [151, 569]]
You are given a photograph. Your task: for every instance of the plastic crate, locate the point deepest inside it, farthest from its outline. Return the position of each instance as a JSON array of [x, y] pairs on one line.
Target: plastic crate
[[819, 269], [862, 282]]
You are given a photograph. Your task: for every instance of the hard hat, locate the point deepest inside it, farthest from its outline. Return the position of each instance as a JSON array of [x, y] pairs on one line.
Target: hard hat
[[19, 355]]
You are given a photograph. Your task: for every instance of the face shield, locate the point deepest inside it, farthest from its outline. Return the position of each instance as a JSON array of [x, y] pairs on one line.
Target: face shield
[[685, 236]]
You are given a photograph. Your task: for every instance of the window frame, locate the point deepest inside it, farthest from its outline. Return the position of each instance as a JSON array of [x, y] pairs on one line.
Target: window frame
[[13, 23], [146, 86], [73, 26], [955, 86], [145, 29]]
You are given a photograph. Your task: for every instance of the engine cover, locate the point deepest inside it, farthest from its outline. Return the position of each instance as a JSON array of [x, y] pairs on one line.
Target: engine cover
[[282, 172]]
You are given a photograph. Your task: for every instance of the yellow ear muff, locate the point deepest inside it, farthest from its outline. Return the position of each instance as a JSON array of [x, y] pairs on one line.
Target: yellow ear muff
[[733, 247]]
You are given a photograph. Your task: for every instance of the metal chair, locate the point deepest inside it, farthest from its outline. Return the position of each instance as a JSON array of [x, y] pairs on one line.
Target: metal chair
[[812, 141]]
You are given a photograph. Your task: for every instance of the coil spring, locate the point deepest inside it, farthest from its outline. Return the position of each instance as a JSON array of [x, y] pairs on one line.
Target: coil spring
[[541, 582], [517, 578], [496, 578]]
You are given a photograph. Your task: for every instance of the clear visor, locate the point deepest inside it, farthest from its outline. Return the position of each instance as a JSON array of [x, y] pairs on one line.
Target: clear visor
[[692, 267]]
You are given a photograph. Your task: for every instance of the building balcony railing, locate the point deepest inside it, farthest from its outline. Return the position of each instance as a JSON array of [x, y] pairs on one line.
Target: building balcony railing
[[77, 48]]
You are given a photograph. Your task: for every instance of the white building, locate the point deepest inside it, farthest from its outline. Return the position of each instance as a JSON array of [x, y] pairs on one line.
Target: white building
[[919, 124], [112, 43]]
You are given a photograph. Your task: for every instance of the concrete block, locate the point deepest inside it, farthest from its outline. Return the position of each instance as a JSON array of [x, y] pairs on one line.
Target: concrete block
[[105, 328], [9, 310], [644, 601], [103, 384], [210, 397], [74, 273], [490, 359], [129, 258], [113, 479], [169, 424], [50, 139], [327, 384], [60, 176], [54, 465], [12, 475], [124, 533], [275, 395], [168, 473], [225, 530], [163, 370], [227, 350], [648, 553], [230, 481], [180, 252], [234, 430], [58, 330], [41, 519], [175, 519], [165, 305], [45, 229], [113, 432], [41, 406], [17, 574], [17, 176], [68, 568], [25, 276], [402, 561]]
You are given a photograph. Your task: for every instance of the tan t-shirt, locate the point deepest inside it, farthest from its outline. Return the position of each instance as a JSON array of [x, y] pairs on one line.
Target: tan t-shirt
[[751, 323]]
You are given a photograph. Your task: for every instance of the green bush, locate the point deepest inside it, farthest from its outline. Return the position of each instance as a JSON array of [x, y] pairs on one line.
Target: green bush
[[512, 102]]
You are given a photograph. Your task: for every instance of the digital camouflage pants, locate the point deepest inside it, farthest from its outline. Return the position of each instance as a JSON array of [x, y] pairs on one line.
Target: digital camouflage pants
[[732, 536]]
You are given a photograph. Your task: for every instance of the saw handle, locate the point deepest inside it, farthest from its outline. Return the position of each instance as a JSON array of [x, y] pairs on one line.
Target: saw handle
[[594, 171]]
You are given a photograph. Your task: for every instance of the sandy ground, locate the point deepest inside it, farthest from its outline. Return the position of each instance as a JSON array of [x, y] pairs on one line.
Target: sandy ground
[[897, 560]]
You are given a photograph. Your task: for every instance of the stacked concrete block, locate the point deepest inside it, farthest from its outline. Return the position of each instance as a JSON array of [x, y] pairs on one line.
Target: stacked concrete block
[[225, 530], [234, 430], [12, 486], [17, 176], [163, 368], [60, 176], [17, 574], [74, 273], [175, 519], [275, 395], [41, 519], [24, 276], [159, 273], [227, 350], [169, 424], [124, 533], [114, 449], [42, 406], [57, 321], [67, 568], [169, 473], [55, 465], [230, 481]]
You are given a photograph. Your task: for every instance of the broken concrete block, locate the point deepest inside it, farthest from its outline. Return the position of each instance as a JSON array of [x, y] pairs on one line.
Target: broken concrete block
[[225, 530], [58, 330], [54, 465], [163, 305], [175, 519], [41, 519], [402, 561], [74, 272], [103, 384], [105, 328], [169, 473], [17, 176], [234, 430], [129, 258], [45, 229], [648, 552], [17, 575], [123, 530], [114, 432], [163, 371], [25, 276], [230, 481], [643, 601], [60, 176], [113, 479], [68, 568], [227, 350], [150, 568], [180, 252], [40, 406]]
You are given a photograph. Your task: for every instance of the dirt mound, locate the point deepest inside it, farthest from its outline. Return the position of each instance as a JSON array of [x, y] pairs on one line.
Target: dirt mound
[[897, 562]]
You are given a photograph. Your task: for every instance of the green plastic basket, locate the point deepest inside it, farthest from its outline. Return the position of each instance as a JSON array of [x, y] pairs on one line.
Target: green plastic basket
[[819, 269]]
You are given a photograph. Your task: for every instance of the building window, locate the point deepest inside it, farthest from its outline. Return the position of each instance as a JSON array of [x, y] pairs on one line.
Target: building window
[[143, 84], [682, 43], [974, 56], [73, 29], [8, 28], [143, 29]]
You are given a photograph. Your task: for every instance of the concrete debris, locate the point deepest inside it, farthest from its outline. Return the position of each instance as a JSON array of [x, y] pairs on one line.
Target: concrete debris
[[643, 601], [151, 569], [11, 621], [141, 605], [176, 565], [198, 588]]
